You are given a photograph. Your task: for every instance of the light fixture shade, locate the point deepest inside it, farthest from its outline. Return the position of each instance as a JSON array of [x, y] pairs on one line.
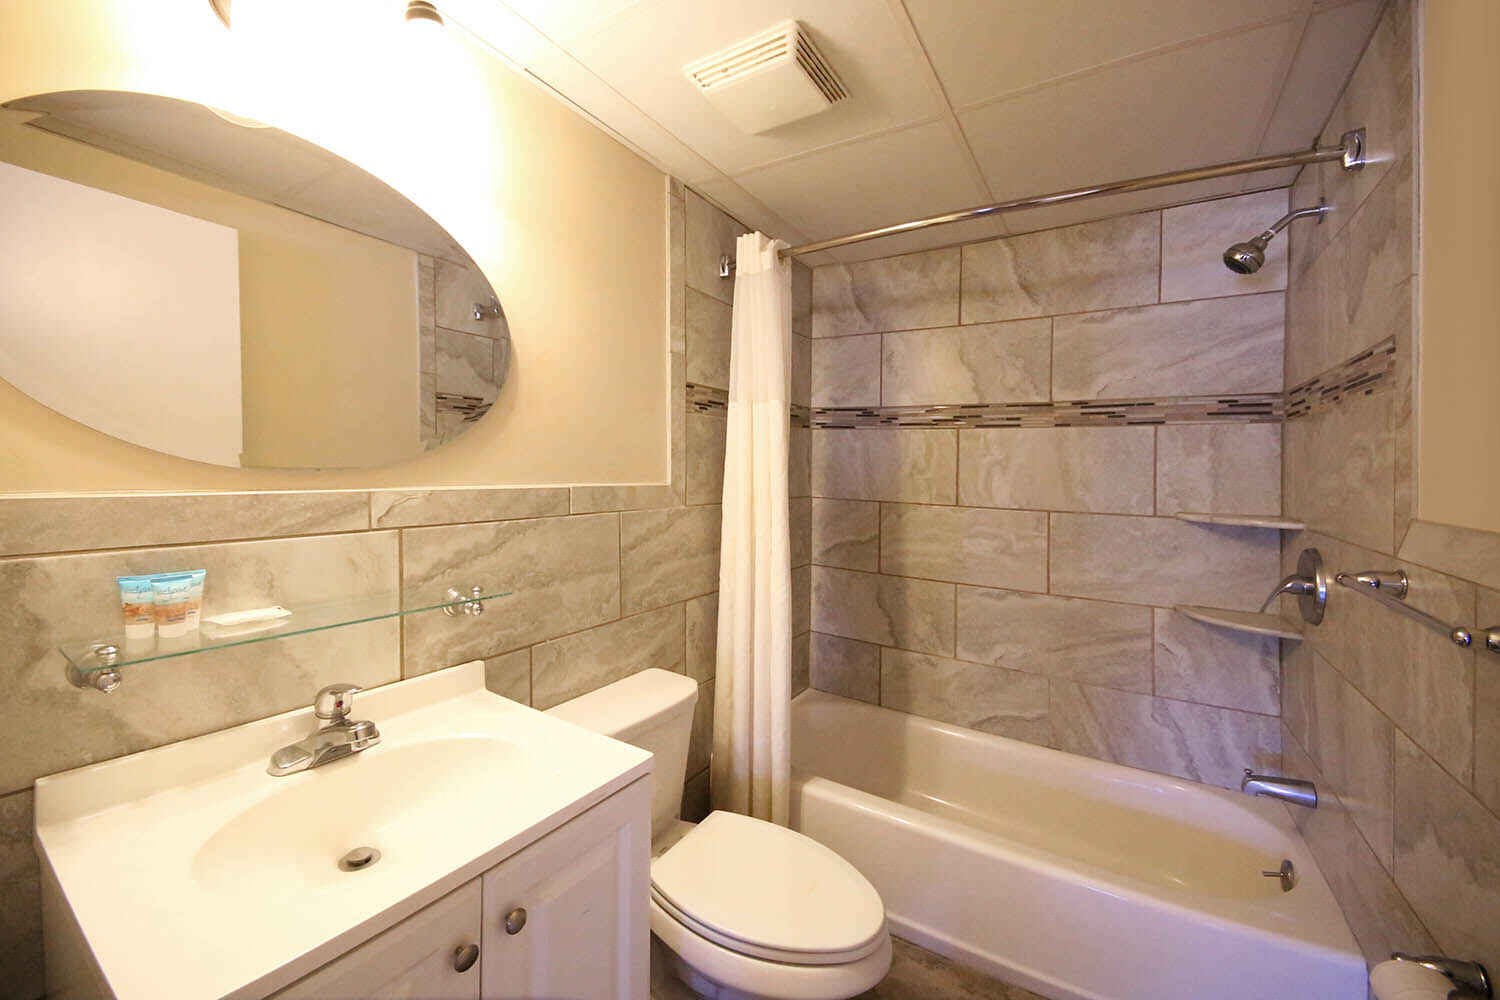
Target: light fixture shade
[[423, 12], [221, 8]]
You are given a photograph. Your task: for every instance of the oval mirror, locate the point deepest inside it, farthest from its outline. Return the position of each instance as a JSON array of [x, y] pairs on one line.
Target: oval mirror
[[221, 290]]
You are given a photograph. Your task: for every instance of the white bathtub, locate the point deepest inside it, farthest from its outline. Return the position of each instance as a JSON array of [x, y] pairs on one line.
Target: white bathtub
[[1077, 879]]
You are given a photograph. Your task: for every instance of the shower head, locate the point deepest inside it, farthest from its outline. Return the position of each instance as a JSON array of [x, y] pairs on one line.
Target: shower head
[[1249, 256]]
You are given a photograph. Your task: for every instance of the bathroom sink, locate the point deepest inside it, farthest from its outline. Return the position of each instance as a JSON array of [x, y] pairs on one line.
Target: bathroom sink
[[189, 872]]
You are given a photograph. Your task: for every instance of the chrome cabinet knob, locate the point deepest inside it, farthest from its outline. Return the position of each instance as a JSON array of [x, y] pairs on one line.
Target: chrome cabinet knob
[[515, 920], [464, 957]]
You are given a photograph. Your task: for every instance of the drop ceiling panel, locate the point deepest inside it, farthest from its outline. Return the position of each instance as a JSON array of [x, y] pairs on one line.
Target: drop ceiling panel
[[1329, 49], [640, 52], [749, 210], [1183, 109], [983, 49], [561, 20], [873, 182]]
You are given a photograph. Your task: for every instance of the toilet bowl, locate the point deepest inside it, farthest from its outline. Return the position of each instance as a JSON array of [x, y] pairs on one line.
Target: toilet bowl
[[745, 909]]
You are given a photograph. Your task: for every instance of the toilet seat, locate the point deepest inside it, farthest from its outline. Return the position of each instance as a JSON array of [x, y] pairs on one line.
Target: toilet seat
[[769, 893]]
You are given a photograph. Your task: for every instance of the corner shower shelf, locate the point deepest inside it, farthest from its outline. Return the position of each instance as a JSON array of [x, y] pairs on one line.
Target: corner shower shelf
[[1242, 520], [1242, 621], [96, 662]]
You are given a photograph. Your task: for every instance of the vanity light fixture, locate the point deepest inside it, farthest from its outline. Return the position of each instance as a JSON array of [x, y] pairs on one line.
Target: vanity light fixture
[[423, 12]]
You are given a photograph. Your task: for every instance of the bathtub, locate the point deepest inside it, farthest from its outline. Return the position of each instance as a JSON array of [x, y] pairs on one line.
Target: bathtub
[[1076, 879]]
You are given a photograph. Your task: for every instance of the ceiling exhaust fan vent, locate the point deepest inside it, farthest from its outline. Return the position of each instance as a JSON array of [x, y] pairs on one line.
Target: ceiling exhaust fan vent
[[771, 79]]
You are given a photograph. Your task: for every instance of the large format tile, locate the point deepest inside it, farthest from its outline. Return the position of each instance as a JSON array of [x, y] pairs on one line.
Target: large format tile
[[1203, 348], [1466, 552], [898, 465], [894, 293], [1447, 857], [986, 363], [1107, 645], [708, 329], [1104, 469], [989, 548], [563, 575], [61, 524], [667, 556], [46, 725], [702, 636], [21, 964], [1340, 470], [1215, 666], [1194, 238], [704, 463], [701, 739], [799, 525], [1161, 561], [466, 365], [410, 508], [1218, 468], [509, 675], [802, 298], [846, 371], [845, 667], [458, 289], [887, 610], [710, 235], [846, 534], [992, 699], [1212, 745], [579, 663], [1097, 265]]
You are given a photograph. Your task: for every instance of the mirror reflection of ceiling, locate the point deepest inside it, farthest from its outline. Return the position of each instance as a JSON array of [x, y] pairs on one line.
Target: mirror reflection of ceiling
[[263, 162]]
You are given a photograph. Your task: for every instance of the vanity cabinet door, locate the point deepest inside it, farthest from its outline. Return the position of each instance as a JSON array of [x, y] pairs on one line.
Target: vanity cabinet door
[[418, 959], [567, 917]]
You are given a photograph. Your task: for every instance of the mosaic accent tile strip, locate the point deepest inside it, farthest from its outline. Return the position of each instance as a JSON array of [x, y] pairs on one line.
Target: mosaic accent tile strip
[[1362, 375], [710, 400], [471, 408], [1256, 408]]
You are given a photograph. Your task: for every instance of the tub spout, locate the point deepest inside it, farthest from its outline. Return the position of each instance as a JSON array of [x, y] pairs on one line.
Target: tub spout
[[1293, 790]]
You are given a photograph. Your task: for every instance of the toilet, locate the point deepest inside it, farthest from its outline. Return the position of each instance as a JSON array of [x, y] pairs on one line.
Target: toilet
[[743, 909]]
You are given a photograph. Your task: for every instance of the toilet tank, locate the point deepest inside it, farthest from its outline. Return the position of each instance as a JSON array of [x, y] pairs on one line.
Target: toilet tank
[[652, 710]]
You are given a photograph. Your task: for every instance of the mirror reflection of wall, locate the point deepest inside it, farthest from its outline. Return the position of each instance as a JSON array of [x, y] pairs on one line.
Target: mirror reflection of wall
[[229, 293]]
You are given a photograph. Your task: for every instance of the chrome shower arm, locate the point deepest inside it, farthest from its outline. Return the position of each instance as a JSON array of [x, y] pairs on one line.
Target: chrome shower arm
[[1319, 210]]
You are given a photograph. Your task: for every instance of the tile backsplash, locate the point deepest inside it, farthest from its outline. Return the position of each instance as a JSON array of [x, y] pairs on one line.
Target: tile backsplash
[[606, 581]]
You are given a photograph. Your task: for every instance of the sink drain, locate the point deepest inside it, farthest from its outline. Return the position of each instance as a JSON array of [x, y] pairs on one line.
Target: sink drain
[[358, 859]]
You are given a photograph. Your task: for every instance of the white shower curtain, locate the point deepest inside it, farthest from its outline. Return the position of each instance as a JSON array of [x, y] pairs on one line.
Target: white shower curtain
[[752, 697]]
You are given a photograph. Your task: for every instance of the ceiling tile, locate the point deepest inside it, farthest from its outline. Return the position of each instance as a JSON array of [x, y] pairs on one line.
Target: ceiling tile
[[640, 52], [1331, 45], [564, 19], [894, 177], [1186, 108], [983, 49], [749, 210]]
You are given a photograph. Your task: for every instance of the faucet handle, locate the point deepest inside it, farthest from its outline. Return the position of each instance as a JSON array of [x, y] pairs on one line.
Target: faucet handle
[[335, 702]]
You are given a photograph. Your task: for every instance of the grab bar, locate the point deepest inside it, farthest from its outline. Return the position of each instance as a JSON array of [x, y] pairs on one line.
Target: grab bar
[[1390, 588]]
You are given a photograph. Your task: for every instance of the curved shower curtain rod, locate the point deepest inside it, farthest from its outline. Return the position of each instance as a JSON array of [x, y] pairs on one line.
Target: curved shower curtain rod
[[1350, 152]]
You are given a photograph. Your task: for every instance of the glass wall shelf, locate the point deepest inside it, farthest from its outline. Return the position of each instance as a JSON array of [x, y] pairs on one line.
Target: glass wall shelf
[[96, 662]]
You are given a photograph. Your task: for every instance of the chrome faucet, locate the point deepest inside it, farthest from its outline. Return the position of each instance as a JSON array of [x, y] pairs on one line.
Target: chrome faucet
[[1309, 584], [335, 741], [1293, 790], [1471, 981]]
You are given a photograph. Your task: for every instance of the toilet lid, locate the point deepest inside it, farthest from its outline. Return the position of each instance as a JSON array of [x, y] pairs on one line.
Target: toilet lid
[[764, 890]]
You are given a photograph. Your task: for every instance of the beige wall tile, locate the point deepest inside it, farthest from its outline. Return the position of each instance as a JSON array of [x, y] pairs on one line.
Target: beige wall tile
[[1097, 265], [676, 268], [696, 806], [1465, 552], [509, 675], [21, 971], [702, 636], [1005, 702], [1447, 856], [801, 599], [1103, 644], [409, 508], [458, 288], [701, 742], [47, 726], [576, 664], [1212, 745], [987, 363], [599, 499], [705, 457], [846, 371], [466, 364], [801, 663], [63, 524], [1317, 320], [801, 370], [846, 534], [1105, 469], [1218, 468], [799, 462], [802, 298], [992, 548], [799, 516], [708, 327], [895, 293], [667, 556], [1194, 238], [1161, 561], [1214, 666], [1379, 916], [563, 574], [710, 234], [898, 465], [1487, 710], [887, 610], [1340, 470], [845, 667], [1228, 345]]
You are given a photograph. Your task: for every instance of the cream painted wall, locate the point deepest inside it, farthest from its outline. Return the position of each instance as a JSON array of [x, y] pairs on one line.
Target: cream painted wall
[[329, 316], [567, 225], [1458, 409]]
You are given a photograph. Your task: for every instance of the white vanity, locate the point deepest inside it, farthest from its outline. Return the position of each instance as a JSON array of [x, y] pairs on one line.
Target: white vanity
[[513, 860]]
